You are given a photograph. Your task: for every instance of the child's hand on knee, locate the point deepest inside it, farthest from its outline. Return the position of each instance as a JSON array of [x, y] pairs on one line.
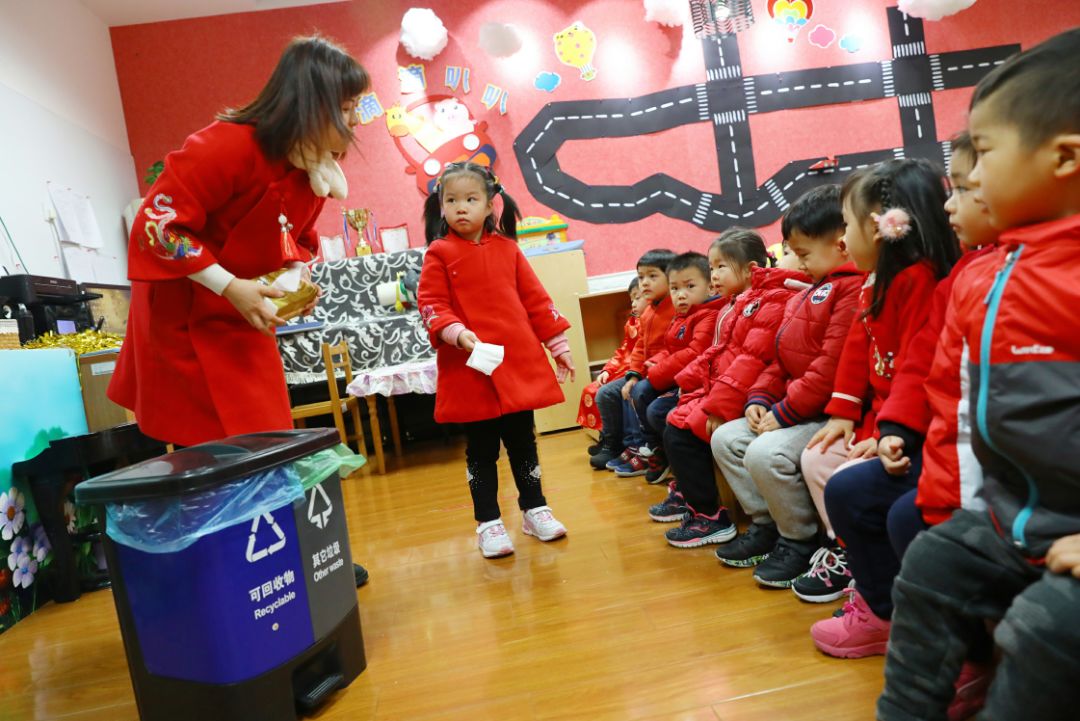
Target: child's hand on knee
[[1064, 555], [712, 424], [603, 377], [630, 383], [768, 423], [754, 414], [891, 452], [834, 430], [863, 449]]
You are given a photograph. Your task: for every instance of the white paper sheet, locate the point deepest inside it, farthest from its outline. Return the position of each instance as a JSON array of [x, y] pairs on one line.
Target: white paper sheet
[[80, 263], [76, 222]]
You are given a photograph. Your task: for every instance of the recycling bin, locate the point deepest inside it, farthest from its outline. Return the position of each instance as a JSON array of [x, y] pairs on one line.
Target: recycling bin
[[232, 576]]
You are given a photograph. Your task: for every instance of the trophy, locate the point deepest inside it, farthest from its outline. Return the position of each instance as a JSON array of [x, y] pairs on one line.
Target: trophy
[[362, 221]]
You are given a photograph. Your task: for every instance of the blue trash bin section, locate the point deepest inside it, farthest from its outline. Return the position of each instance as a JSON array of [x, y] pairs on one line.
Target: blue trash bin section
[[219, 581]]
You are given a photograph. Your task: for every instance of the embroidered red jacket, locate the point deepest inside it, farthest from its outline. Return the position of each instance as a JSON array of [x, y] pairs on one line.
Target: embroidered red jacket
[[620, 359], [491, 288], [191, 367]]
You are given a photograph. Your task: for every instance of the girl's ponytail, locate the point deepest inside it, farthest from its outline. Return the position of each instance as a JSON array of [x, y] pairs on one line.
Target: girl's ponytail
[[510, 215], [435, 225]]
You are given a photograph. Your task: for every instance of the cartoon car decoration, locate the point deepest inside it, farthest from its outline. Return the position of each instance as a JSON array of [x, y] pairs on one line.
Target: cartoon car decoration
[[436, 130]]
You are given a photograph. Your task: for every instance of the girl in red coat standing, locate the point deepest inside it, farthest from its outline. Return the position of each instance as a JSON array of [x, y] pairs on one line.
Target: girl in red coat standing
[[237, 201], [478, 294]]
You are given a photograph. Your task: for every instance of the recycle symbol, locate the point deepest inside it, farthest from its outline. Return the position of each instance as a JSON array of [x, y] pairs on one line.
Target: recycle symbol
[[253, 555], [319, 518]]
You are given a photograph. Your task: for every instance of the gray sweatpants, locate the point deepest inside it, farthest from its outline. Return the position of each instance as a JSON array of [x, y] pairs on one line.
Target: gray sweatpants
[[763, 471], [956, 577]]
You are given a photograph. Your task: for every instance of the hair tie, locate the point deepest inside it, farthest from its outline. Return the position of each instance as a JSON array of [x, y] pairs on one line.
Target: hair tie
[[894, 224]]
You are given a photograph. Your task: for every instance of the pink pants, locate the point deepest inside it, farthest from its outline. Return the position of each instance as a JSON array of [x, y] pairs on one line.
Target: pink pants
[[818, 467]]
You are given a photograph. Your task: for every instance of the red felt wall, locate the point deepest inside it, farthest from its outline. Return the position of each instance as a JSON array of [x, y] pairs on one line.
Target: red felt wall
[[174, 76]]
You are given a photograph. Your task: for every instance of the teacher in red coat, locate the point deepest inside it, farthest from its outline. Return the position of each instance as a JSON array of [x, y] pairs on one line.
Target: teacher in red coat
[[237, 201]]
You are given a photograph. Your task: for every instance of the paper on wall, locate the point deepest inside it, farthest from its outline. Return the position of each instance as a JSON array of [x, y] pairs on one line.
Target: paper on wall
[[76, 222], [79, 262]]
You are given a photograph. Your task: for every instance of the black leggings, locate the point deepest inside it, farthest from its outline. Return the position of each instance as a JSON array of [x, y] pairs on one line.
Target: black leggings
[[515, 431]]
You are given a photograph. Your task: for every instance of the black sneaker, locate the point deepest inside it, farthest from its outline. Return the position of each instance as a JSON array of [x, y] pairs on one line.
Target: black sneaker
[[597, 447], [360, 573], [658, 468], [789, 560], [827, 579], [600, 460], [671, 509], [751, 548], [698, 530]]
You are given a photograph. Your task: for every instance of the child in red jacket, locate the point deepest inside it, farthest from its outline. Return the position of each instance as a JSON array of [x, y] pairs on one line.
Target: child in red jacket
[[714, 387], [920, 399], [1014, 564], [759, 454], [588, 415], [476, 287], [689, 334], [652, 279], [896, 228]]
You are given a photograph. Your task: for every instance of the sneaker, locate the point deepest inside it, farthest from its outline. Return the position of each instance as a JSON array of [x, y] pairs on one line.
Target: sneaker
[[856, 634], [597, 447], [751, 548], [360, 574], [636, 466], [971, 687], [671, 509], [698, 530], [623, 458], [600, 460], [827, 578], [540, 523], [658, 468], [788, 560], [493, 541]]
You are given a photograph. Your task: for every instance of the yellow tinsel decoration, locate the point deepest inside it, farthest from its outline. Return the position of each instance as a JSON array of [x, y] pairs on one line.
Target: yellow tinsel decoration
[[87, 341]]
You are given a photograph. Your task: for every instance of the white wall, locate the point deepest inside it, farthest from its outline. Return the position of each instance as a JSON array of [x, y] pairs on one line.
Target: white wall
[[61, 120]]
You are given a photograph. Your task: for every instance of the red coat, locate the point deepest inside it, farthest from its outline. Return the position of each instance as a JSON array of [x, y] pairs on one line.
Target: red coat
[[191, 367], [717, 383], [876, 347], [935, 375], [686, 338], [654, 323], [798, 384], [491, 288]]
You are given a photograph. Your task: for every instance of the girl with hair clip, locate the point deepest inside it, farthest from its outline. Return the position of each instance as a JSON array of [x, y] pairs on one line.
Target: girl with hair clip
[[478, 294], [898, 230]]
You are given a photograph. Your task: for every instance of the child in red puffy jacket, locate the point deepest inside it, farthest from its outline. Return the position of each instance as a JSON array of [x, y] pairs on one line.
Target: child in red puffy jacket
[[714, 387], [588, 414], [759, 453]]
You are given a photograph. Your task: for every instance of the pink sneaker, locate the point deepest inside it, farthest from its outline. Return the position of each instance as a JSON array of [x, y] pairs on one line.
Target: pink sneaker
[[971, 688], [492, 539], [855, 634]]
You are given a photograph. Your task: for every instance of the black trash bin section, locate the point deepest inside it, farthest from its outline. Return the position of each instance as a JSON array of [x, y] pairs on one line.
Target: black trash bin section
[[233, 583]]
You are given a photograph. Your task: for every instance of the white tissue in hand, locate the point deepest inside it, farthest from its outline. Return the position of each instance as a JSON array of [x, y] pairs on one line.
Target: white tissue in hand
[[486, 357]]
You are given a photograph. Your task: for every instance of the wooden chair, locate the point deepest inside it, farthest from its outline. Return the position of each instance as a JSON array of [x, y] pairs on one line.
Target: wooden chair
[[729, 501], [335, 357]]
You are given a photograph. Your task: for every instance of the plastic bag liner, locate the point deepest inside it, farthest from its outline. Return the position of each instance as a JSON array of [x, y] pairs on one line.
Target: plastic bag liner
[[317, 467], [172, 523]]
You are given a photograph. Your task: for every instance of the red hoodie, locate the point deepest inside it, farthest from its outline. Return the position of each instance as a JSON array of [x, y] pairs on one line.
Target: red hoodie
[[687, 337]]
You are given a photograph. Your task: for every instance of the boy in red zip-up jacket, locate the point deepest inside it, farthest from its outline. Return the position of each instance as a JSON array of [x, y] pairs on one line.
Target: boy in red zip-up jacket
[[1015, 563], [652, 280], [759, 453], [689, 334]]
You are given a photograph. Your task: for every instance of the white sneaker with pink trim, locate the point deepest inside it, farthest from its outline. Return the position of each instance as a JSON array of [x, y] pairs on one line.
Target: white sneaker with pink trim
[[540, 523], [492, 539]]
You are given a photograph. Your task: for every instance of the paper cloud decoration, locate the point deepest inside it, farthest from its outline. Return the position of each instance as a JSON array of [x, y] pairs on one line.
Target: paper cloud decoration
[[851, 43], [822, 36], [933, 9], [499, 39], [547, 81], [671, 13], [423, 34]]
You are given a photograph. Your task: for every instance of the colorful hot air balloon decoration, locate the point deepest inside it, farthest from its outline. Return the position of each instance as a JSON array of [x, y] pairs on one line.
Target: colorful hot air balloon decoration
[[791, 15], [574, 46]]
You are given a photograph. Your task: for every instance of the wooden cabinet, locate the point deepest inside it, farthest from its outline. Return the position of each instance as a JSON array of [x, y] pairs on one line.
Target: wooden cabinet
[[95, 372], [563, 275]]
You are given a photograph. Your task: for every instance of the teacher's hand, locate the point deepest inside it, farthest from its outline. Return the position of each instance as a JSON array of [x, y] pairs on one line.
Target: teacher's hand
[[249, 298]]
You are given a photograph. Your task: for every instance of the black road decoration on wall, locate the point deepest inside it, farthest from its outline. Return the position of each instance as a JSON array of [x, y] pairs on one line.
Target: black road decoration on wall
[[726, 99]]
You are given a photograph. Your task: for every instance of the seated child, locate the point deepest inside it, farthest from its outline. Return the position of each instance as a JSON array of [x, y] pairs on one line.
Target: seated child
[[689, 334], [588, 417], [714, 386], [652, 281], [1016, 563], [759, 453]]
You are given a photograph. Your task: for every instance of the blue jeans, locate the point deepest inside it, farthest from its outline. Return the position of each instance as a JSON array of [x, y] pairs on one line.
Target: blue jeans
[[617, 413], [643, 396]]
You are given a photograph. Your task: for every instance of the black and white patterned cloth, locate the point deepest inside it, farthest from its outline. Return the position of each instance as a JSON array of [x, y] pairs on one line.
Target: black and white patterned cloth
[[378, 336]]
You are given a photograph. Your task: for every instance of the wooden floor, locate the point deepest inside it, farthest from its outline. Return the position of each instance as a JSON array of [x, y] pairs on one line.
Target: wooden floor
[[608, 623]]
